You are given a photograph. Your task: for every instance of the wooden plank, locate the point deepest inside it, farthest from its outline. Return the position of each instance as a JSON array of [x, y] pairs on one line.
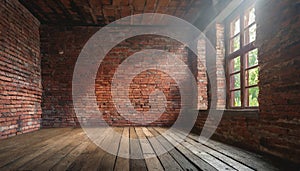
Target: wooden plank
[[151, 159], [218, 164], [29, 139], [94, 159], [112, 141], [51, 161], [145, 145], [233, 163], [252, 160], [83, 160], [168, 162], [249, 159], [181, 160], [147, 132], [202, 165], [10, 157], [43, 160], [67, 160], [136, 152], [123, 163], [35, 151]]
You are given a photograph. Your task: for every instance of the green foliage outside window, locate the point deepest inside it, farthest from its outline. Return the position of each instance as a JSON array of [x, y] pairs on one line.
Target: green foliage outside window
[[237, 64], [253, 96], [252, 58], [252, 79], [237, 98], [253, 76]]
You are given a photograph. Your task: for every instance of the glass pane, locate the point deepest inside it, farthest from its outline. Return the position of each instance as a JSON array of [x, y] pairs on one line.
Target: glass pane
[[235, 64], [253, 96], [252, 76], [235, 81], [235, 43], [252, 58], [235, 27], [250, 34], [249, 17], [236, 98]]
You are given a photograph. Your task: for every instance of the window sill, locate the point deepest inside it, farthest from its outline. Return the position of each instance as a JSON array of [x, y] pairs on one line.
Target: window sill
[[241, 110], [249, 113]]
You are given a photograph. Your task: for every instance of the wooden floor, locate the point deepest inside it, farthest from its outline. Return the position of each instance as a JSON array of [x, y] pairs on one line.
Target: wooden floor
[[70, 149]]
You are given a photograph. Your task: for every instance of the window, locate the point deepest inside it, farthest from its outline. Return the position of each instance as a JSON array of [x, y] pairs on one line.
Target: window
[[241, 58]]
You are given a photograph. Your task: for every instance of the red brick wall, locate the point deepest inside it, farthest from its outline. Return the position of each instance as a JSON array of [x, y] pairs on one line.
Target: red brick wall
[[143, 84], [274, 128], [236, 127], [60, 48], [278, 37], [20, 73]]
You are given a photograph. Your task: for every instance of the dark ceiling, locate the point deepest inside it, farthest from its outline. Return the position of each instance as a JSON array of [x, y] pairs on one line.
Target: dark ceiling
[[102, 12]]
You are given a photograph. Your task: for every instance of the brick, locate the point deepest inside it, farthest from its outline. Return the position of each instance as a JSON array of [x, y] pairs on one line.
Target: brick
[[57, 98], [20, 70]]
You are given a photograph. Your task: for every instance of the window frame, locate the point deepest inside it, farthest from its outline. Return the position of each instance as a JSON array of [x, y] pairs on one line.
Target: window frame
[[239, 13]]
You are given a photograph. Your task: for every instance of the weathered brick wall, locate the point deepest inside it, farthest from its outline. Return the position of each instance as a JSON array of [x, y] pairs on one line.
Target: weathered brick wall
[[278, 37], [143, 84], [274, 128], [236, 127], [60, 47], [20, 73]]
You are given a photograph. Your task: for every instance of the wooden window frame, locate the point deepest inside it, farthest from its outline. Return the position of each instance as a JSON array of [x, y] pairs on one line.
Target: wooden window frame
[[239, 13]]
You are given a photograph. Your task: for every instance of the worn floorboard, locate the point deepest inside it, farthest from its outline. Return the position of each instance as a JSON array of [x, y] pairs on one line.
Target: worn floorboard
[[70, 149]]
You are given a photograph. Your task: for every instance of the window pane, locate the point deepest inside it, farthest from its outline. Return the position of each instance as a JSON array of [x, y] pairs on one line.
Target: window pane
[[236, 98], [252, 58], [249, 17], [250, 34], [235, 43], [253, 96], [235, 64], [252, 76], [235, 27], [235, 81]]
